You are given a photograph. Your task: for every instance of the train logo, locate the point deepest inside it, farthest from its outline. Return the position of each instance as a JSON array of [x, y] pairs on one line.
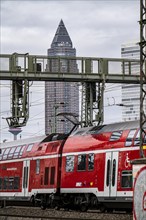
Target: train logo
[[127, 161]]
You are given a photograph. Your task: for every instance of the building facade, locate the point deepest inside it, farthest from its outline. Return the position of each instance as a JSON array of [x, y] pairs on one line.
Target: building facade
[[131, 92], [61, 96]]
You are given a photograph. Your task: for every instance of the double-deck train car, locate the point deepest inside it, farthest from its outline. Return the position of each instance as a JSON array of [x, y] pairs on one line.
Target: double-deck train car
[[90, 168]]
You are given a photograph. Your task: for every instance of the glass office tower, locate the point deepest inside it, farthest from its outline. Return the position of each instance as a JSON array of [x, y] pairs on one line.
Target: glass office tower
[[61, 96]]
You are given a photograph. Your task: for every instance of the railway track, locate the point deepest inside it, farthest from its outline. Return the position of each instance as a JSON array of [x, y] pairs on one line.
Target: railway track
[[31, 213], [17, 217]]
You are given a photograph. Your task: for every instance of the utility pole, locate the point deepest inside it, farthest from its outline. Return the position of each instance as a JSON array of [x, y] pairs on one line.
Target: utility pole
[[142, 74], [55, 120], [55, 107]]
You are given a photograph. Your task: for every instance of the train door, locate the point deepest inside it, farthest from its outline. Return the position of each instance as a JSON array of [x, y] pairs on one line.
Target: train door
[[111, 170], [25, 179]]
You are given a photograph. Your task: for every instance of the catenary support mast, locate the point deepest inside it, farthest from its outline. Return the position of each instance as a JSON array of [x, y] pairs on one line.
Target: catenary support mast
[[142, 73], [93, 73]]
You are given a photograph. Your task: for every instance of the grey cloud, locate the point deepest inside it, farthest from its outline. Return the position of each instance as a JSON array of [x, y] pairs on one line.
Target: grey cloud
[[87, 22]]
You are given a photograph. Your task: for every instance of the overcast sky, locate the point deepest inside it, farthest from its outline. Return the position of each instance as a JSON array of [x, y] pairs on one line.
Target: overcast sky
[[97, 29]]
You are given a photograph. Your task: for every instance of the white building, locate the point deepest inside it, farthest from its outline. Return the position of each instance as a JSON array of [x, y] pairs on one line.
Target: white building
[[131, 92]]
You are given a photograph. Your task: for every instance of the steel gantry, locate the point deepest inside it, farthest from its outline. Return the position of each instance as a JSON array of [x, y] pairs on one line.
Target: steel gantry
[[142, 74], [19, 94], [93, 73]]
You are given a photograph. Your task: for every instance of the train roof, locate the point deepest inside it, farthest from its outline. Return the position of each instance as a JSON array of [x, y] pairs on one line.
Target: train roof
[[23, 141], [118, 126]]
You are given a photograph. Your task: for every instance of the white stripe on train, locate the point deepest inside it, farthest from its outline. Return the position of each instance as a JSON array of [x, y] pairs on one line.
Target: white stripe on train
[[71, 153]]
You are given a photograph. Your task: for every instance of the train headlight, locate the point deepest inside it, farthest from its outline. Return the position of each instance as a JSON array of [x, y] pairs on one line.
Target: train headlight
[[91, 183]]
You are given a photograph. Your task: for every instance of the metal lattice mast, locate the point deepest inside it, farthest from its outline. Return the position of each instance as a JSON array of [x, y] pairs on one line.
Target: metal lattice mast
[[19, 103], [92, 99], [83, 106], [87, 106], [19, 95], [142, 73]]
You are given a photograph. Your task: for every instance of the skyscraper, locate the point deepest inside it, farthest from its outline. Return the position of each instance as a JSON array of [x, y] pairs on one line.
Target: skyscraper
[[131, 92], [61, 96]]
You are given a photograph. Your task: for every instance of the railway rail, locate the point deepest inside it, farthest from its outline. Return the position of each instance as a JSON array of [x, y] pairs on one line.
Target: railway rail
[[10, 217], [35, 213]]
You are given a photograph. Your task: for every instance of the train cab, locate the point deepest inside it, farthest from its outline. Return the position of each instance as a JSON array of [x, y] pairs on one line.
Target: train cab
[[29, 168]]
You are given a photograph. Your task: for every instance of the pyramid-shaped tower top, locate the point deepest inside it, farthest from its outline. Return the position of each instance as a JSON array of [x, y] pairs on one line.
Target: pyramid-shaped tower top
[[61, 37]]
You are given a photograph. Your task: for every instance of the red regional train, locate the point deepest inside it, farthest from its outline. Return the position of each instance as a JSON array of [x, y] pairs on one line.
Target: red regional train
[[90, 168]]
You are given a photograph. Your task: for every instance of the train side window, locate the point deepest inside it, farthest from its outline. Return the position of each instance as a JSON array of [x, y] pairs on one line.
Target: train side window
[[16, 182], [11, 182], [108, 172], [37, 166], [21, 151], [126, 179], [1, 182], [70, 163], [130, 138], [2, 151], [11, 152], [41, 180], [16, 153], [5, 183], [39, 148], [29, 147], [115, 135], [114, 173], [5, 155], [52, 178], [81, 162], [46, 177], [137, 139], [25, 177], [90, 161]]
